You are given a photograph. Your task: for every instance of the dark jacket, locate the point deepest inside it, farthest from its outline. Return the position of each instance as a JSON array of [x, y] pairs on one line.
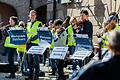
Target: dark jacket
[[109, 70], [5, 31], [87, 29]]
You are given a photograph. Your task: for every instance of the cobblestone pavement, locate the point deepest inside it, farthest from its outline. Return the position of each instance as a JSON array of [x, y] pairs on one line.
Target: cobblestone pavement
[[45, 69]]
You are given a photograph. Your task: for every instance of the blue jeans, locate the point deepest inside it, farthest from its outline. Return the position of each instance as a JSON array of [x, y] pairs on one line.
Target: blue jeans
[[53, 63], [71, 49], [33, 62], [22, 61]]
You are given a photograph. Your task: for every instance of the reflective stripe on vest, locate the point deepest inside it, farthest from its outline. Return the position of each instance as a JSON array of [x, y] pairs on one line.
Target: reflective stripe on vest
[[105, 39], [32, 31], [53, 43], [71, 40], [7, 41], [8, 44]]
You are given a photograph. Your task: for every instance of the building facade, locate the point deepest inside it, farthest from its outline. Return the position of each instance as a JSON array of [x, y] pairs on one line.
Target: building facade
[[98, 10]]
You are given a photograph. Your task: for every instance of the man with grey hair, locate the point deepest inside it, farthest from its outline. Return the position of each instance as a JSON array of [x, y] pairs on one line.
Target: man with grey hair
[[108, 70]]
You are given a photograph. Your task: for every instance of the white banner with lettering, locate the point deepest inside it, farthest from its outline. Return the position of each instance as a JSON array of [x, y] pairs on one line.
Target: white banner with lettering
[[37, 50], [59, 53]]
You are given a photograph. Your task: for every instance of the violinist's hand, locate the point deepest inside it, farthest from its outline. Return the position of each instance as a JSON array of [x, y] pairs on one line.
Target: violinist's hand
[[53, 30], [98, 35], [77, 30], [75, 27], [110, 26], [58, 30]]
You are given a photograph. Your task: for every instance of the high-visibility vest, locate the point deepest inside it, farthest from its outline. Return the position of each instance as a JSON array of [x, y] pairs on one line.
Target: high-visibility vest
[[117, 27], [61, 42], [32, 31], [106, 37], [53, 43], [71, 40], [21, 48], [7, 42]]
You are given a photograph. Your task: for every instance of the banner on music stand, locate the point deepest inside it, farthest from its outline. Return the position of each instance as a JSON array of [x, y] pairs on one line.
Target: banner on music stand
[[18, 37]]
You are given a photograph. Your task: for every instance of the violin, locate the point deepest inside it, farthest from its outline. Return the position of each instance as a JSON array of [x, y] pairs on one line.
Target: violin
[[110, 26], [64, 25]]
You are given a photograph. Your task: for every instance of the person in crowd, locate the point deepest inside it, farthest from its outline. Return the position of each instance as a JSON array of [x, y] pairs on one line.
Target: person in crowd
[[32, 34], [21, 50], [84, 26], [46, 53], [54, 39], [109, 26], [50, 25], [70, 38], [10, 49], [70, 31], [59, 40]]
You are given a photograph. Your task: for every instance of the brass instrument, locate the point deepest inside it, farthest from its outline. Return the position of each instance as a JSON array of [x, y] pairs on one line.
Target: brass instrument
[[4, 27]]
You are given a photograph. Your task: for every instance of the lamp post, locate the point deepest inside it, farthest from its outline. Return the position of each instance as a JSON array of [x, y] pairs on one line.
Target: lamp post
[[54, 10]]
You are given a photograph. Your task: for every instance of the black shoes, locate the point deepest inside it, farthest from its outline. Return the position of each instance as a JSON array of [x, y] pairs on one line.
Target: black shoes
[[52, 74], [10, 76], [42, 74]]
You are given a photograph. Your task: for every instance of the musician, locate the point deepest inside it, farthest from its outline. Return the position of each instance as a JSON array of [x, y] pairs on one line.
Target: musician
[[60, 42], [10, 49], [84, 25], [109, 26], [70, 38], [33, 60], [21, 51], [50, 25]]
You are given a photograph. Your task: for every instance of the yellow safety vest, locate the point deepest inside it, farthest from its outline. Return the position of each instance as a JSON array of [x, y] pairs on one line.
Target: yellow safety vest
[[117, 27], [53, 43], [106, 37], [21, 48], [32, 31], [7, 42], [71, 40]]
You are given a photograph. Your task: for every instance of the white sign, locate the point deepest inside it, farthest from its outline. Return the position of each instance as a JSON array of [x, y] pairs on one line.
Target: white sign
[[44, 28], [59, 53], [36, 50], [65, 1], [107, 56], [82, 35], [81, 55], [44, 43]]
